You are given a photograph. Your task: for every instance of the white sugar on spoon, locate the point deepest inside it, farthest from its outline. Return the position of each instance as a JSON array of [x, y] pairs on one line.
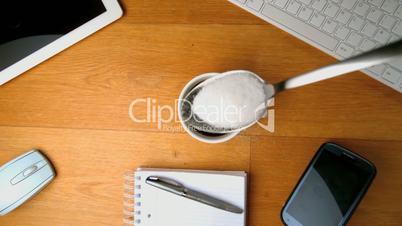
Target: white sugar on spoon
[[231, 101]]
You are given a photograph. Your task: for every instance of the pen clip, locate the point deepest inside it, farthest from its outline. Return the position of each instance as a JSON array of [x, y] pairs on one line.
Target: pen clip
[[166, 184]]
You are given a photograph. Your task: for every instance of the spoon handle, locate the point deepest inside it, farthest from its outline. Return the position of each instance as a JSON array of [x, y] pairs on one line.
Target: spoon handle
[[365, 60]]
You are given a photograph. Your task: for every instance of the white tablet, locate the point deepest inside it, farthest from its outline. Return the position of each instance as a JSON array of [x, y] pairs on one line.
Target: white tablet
[[33, 31]]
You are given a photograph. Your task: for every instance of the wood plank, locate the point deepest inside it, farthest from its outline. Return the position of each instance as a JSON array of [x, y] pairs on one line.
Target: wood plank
[[278, 163], [186, 12], [84, 87], [90, 165]]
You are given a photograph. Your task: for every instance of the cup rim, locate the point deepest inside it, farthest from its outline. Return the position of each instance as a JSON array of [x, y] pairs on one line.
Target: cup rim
[[203, 138]]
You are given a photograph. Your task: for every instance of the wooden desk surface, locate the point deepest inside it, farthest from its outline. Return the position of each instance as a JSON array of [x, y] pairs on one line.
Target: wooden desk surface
[[74, 108]]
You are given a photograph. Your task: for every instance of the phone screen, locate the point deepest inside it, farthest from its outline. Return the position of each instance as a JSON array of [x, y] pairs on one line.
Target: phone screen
[[328, 190]]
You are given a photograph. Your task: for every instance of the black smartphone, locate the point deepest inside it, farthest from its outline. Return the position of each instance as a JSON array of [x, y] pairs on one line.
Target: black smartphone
[[330, 189]]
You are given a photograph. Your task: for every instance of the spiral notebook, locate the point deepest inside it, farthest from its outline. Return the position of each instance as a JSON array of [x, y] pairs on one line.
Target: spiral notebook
[[145, 205]]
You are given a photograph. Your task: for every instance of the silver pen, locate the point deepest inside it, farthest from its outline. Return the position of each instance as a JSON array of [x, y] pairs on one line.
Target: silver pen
[[178, 189]]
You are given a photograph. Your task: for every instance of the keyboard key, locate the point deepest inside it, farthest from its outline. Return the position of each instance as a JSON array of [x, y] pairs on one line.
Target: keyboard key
[[393, 38], [397, 64], [367, 45], [357, 52], [342, 32], [398, 29], [387, 22], [329, 26], [344, 50], [374, 15], [362, 9], [293, 7], [391, 75], [390, 5], [398, 12], [354, 39], [331, 10], [382, 36], [307, 2], [255, 4], [281, 3], [356, 23], [343, 16], [317, 19], [375, 2], [300, 27], [378, 70], [305, 13], [319, 4], [369, 29], [348, 4]]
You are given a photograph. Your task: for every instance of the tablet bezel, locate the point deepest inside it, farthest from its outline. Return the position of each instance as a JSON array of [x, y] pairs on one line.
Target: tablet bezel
[[112, 13]]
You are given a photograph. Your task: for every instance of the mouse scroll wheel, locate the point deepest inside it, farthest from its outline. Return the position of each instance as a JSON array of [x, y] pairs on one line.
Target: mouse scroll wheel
[[28, 171], [32, 169]]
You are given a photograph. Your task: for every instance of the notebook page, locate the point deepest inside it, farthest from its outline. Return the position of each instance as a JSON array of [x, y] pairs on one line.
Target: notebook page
[[160, 208]]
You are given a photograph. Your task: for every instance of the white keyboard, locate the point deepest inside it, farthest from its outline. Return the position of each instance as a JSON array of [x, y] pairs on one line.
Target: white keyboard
[[341, 28]]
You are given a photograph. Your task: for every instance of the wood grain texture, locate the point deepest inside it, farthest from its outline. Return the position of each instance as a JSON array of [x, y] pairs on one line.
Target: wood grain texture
[[75, 108]]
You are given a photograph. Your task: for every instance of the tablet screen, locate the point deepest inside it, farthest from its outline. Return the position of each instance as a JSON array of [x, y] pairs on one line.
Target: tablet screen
[[27, 26]]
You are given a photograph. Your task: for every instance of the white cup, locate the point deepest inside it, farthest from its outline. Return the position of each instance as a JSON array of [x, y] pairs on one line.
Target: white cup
[[199, 135]]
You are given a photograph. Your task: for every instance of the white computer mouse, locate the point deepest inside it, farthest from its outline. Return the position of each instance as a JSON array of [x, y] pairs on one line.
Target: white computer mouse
[[22, 178]]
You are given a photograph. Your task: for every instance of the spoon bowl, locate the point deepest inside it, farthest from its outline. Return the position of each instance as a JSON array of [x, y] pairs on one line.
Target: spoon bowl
[[207, 137], [199, 124]]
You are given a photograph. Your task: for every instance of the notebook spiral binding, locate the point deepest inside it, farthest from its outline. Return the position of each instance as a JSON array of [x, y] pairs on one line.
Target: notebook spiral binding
[[131, 199]]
